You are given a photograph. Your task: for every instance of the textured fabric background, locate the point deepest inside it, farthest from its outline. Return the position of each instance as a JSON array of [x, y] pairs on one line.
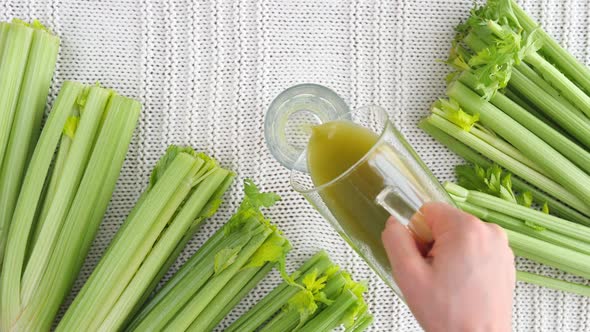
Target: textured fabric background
[[206, 71]]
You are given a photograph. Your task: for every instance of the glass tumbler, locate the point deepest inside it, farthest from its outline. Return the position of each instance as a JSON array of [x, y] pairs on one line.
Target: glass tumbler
[[390, 180]]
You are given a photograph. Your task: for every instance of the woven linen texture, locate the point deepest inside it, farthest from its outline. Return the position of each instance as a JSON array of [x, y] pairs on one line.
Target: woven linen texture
[[205, 72]]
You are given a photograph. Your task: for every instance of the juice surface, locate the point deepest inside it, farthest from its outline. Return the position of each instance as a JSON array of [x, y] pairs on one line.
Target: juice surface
[[336, 146], [333, 148]]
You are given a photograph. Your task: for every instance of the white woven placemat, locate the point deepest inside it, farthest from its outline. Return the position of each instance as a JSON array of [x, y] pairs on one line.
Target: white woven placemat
[[206, 71]]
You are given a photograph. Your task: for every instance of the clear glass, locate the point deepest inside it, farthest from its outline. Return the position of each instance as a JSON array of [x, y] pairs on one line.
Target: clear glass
[[389, 180]]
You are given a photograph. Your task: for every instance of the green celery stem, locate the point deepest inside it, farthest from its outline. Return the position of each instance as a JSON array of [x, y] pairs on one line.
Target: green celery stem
[[162, 249], [508, 162], [553, 283], [518, 225], [99, 182], [330, 317], [26, 125], [569, 149], [555, 164], [475, 158], [564, 60], [192, 309], [570, 119], [119, 256], [232, 302], [185, 285], [78, 157], [278, 297], [13, 62], [29, 201], [194, 263], [497, 204]]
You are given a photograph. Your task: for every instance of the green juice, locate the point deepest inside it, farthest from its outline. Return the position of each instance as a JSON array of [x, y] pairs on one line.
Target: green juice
[[333, 149]]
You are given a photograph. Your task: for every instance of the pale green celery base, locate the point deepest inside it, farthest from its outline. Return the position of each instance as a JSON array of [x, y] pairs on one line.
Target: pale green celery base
[[123, 257], [29, 201], [84, 217], [13, 61], [74, 168]]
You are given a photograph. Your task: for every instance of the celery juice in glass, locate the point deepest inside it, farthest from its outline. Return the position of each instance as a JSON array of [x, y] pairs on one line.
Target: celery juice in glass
[[353, 166]]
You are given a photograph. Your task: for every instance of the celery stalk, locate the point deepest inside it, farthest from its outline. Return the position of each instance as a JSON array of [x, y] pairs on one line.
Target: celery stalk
[[520, 226], [160, 252], [569, 149], [172, 297], [207, 211], [119, 264], [574, 121], [29, 200], [13, 62], [564, 60], [362, 323], [27, 122], [330, 318], [553, 283], [288, 320], [529, 73], [89, 205], [505, 148], [551, 74], [78, 157], [196, 263], [556, 165], [545, 98], [509, 163], [193, 308], [228, 298], [278, 297], [473, 157], [539, 218], [549, 254]]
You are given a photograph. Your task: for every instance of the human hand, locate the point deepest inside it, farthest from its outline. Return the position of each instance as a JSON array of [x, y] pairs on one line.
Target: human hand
[[464, 282]]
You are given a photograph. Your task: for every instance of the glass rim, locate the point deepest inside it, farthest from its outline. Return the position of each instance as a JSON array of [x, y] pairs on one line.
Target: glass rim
[[382, 113]]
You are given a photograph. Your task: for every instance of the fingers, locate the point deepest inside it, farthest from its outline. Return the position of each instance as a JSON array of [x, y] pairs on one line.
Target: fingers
[[442, 217], [405, 258]]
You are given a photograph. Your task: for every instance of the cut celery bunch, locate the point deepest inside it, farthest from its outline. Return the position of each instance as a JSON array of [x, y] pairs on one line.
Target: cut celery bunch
[[98, 125], [220, 273], [31, 90], [184, 190], [319, 297]]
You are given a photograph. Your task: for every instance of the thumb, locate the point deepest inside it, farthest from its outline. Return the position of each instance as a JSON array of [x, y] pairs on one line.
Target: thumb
[[405, 258]]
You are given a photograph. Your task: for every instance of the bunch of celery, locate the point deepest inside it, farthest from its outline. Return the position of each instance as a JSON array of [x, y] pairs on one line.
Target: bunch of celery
[[66, 190], [532, 115], [532, 234], [521, 101], [185, 188], [218, 275], [28, 53], [318, 297]]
